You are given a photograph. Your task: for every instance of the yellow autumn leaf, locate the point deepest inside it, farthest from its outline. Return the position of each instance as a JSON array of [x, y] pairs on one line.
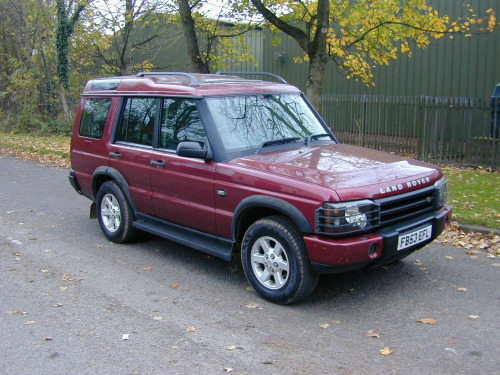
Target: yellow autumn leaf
[[386, 351], [427, 321]]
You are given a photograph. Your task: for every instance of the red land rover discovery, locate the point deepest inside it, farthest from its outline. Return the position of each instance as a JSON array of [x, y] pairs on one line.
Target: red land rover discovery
[[243, 168]]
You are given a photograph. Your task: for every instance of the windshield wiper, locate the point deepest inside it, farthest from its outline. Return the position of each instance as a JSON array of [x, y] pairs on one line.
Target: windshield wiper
[[277, 142], [314, 136]]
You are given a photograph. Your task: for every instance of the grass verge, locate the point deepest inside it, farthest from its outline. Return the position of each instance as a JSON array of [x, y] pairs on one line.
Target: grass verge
[[475, 196]]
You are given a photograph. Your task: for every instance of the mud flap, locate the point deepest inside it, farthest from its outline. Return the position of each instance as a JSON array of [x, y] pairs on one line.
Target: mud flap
[[93, 213]]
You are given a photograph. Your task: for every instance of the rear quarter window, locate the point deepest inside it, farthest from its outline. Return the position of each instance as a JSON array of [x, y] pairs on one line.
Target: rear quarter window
[[95, 113]]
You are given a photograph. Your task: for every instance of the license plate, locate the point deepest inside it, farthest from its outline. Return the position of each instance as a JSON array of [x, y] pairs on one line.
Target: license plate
[[414, 238]]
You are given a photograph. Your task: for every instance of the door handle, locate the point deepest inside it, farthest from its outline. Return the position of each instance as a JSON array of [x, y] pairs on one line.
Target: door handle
[[158, 163], [115, 155]]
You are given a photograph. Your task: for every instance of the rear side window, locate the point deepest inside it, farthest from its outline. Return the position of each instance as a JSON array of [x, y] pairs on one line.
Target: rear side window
[[137, 121], [180, 122], [95, 113]]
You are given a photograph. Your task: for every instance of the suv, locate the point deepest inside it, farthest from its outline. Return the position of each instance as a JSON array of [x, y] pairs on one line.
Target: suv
[[246, 169]]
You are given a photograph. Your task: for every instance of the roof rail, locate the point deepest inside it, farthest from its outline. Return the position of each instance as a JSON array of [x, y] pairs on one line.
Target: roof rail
[[193, 80], [275, 76]]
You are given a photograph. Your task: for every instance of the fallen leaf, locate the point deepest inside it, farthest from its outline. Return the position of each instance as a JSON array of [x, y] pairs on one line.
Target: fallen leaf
[[448, 257], [67, 278], [48, 339], [148, 268], [462, 289], [157, 318], [175, 286], [232, 347], [386, 351], [228, 369], [191, 329], [63, 288], [324, 325], [474, 317], [251, 305], [18, 311], [372, 333], [418, 262], [427, 321]]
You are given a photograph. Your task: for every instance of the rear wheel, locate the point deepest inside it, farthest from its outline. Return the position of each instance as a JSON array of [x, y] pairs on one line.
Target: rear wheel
[[275, 261], [114, 213]]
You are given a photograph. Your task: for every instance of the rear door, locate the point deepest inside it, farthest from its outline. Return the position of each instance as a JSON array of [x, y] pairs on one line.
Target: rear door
[[183, 188], [130, 153]]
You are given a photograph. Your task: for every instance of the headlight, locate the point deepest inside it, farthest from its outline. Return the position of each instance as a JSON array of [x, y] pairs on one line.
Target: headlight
[[347, 217], [442, 191], [354, 216]]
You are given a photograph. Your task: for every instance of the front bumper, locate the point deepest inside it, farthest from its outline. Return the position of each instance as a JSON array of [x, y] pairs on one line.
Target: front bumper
[[329, 255]]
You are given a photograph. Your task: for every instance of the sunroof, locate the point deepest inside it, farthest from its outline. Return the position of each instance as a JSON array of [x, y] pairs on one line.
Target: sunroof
[[105, 84]]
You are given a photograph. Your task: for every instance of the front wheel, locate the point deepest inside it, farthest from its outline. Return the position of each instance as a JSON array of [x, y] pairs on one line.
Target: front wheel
[[114, 213], [275, 261]]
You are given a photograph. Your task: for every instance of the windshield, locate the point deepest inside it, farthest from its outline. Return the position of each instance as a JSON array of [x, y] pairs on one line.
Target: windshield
[[251, 121]]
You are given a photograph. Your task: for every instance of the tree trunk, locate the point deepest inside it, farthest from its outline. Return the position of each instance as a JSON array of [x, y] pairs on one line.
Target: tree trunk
[[193, 49], [126, 63], [64, 103], [314, 82]]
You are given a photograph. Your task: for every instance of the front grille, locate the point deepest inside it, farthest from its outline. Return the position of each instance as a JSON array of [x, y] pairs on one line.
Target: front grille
[[406, 206]]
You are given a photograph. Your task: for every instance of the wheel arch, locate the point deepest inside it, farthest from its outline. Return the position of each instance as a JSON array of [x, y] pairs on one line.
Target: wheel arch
[[103, 174], [256, 207]]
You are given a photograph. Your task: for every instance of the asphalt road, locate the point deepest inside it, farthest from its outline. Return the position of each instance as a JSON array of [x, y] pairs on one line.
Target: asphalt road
[[73, 303]]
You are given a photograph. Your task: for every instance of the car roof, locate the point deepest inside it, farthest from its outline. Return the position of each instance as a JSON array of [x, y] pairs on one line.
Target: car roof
[[185, 84]]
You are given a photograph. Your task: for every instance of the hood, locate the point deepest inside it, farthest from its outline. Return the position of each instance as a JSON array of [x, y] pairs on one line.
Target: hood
[[352, 172]]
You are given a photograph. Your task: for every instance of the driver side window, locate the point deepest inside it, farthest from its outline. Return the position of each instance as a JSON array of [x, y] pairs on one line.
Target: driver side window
[[180, 122]]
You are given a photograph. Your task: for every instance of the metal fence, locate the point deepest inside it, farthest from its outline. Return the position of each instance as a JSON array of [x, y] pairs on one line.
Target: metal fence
[[436, 129]]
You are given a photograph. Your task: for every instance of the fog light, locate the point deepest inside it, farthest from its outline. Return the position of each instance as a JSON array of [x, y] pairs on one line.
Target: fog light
[[372, 250]]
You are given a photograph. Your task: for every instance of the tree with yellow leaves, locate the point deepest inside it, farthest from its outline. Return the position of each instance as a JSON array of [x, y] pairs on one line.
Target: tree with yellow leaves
[[355, 35]]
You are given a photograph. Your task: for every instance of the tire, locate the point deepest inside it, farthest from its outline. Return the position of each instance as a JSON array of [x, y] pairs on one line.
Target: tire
[[114, 213], [275, 261]]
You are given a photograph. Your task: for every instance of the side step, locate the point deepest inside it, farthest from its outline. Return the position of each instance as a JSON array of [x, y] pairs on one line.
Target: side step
[[216, 246]]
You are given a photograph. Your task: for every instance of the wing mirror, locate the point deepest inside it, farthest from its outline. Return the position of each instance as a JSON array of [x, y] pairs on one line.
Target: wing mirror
[[194, 150]]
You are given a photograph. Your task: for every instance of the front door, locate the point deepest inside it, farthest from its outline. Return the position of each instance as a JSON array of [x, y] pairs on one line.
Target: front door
[[183, 188]]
